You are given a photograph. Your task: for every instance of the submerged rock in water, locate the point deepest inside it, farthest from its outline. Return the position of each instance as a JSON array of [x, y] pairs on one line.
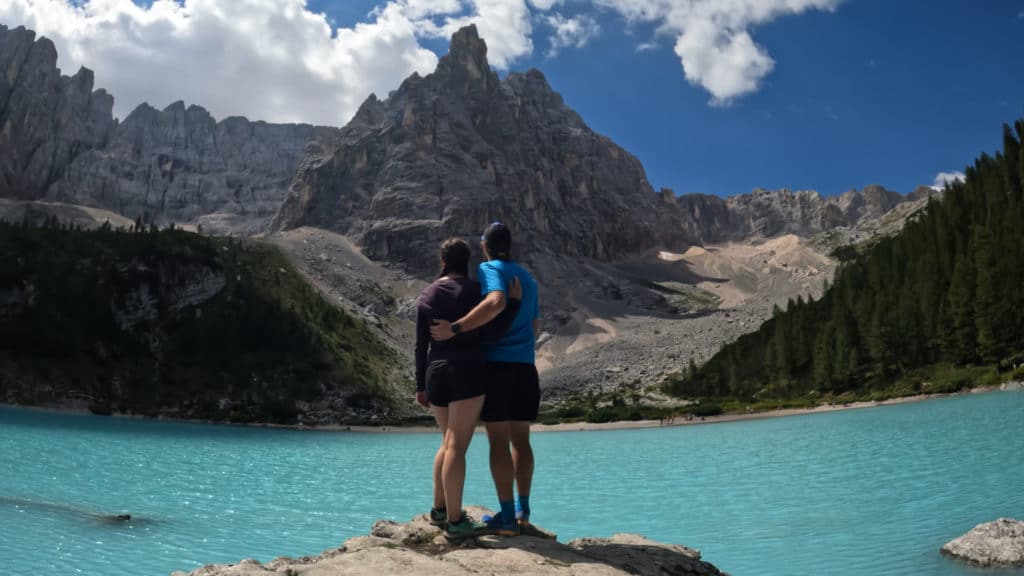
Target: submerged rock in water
[[416, 547], [115, 518], [992, 544]]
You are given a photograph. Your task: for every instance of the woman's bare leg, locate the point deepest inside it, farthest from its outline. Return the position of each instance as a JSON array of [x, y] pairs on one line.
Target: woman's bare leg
[[462, 419], [441, 416]]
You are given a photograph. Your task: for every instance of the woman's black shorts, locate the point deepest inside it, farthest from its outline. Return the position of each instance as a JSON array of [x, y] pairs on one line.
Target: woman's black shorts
[[453, 380], [513, 393]]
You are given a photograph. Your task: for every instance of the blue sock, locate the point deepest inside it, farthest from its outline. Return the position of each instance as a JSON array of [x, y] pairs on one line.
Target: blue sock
[[508, 511], [524, 505]]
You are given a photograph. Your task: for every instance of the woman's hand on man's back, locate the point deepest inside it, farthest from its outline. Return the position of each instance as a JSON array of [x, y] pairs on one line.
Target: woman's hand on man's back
[[515, 289]]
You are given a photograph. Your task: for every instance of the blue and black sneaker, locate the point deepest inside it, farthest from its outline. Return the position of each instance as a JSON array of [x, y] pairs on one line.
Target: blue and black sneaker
[[500, 526]]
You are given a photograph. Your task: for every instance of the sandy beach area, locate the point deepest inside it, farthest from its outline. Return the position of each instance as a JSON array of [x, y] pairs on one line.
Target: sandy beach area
[[585, 426]]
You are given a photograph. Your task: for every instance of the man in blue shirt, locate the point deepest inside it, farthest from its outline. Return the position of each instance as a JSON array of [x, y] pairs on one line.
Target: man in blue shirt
[[513, 387]]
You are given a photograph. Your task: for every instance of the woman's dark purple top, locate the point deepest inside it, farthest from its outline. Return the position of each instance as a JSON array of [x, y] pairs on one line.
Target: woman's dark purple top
[[450, 299]]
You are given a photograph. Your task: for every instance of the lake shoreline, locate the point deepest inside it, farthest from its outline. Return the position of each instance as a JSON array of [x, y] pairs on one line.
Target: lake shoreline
[[568, 426]]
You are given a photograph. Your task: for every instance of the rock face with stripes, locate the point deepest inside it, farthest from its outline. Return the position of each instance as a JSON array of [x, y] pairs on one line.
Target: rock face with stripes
[[443, 155], [446, 154], [46, 120], [59, 141]]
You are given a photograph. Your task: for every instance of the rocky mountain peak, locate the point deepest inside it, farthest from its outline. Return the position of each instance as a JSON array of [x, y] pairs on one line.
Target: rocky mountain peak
[[766, 213], [369, 113], [46, 118], [448, 153], [176, 107], [444, 154], [464, 70], [922, 192], [467, 45]]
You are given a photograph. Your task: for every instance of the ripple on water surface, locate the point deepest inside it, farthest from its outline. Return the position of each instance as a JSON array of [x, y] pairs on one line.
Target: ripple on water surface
[[873, 491]]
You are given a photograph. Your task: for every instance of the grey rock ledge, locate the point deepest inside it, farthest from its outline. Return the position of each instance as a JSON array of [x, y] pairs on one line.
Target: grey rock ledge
[[416, 547]]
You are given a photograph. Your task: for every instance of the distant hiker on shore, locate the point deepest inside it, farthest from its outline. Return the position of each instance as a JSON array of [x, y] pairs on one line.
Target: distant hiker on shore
[[513, 387], [451, 375]]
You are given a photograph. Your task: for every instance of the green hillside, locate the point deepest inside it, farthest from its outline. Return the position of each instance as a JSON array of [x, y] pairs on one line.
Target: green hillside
[[937, 308], [169, 323]]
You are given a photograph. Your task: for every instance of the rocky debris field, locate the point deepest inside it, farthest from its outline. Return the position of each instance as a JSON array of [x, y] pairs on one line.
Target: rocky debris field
[[384, 296], [646, 349], [604, 328]]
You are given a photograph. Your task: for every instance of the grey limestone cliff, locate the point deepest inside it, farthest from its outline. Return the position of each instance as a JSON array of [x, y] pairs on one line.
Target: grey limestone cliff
[[442, 155], [764, 214], [59, 141], [448, 153], [179, 164], [46, 120]]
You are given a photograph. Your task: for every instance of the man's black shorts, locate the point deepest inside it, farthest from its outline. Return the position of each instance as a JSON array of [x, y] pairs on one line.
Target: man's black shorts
[[513, 392], [451, 381]]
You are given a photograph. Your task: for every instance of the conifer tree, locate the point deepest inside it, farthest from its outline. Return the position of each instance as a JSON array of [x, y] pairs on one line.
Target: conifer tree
[[948, 289]]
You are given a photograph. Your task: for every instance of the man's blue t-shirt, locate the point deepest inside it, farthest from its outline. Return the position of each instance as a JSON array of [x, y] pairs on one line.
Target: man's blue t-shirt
[[518, 343]]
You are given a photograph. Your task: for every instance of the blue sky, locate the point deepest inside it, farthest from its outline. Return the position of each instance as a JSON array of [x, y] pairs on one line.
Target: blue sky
[[728, 95], [887, 92]]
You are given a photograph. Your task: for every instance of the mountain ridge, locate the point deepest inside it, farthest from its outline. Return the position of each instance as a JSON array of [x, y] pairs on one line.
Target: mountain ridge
[[179, 164], [622, 277], [62, 143], [449, 152]]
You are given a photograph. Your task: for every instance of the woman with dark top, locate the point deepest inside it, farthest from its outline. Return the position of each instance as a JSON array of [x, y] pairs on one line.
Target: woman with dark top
[[450, 378]]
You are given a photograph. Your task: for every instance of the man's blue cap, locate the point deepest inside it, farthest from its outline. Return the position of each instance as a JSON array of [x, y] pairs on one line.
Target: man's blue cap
[[498, 239]]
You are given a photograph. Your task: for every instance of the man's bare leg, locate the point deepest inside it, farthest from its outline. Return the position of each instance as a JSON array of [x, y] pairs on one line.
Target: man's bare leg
[[522, 456], [502, 469]]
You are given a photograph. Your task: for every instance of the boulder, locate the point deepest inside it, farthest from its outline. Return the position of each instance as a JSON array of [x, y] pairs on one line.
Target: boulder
[[996, 544]]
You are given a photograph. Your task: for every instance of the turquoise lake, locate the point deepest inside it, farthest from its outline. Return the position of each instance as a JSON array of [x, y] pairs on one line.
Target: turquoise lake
[[860, 492]]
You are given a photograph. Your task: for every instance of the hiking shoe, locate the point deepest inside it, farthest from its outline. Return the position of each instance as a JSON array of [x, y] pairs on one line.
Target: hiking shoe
[[465, 528], [438, 517], [500, 526]]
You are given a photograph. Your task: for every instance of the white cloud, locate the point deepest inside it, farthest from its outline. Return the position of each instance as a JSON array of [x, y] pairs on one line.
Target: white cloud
[[266, 59], [503, 24], [713, 38], [417, 9], [277, 60], [944, 178], [575, 31]]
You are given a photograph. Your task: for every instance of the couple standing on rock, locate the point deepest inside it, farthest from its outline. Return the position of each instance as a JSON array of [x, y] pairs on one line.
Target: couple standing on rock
[[475, 362]]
